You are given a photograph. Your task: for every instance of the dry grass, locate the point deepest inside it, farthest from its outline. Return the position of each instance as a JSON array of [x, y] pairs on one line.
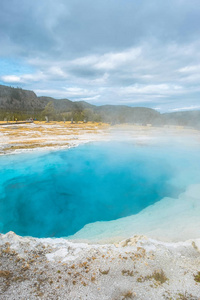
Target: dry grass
[[197, 277], [14, 137], [159, 277], [128, 295], [127, 273], [104, 272], [5, 274]]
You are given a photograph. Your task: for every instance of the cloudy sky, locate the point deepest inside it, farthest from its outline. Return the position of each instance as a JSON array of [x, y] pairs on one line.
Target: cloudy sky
[[132, 52]]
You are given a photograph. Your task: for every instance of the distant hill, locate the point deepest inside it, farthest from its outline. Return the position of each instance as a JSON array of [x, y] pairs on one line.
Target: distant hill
[[17, 99], [184, 118], [126, 114], [24, 103]]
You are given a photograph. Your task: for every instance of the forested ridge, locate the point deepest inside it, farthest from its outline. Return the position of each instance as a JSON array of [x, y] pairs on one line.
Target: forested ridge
[[17, 103]]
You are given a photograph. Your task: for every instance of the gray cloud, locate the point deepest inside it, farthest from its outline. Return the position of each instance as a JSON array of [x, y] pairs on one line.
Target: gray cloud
[[95, 26], [121, 52]]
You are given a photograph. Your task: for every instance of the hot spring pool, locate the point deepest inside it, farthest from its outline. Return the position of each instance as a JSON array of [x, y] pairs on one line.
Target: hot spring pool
[[55, 194]]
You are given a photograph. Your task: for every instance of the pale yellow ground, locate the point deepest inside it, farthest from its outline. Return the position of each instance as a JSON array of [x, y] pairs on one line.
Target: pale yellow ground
[[19, 137], [53, 134]]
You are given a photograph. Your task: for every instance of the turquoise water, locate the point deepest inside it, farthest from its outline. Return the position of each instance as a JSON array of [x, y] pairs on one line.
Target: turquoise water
[[54, 194]]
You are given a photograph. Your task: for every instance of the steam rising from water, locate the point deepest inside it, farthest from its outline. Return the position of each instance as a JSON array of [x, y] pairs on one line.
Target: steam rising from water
[[169, 220], [58, 193]]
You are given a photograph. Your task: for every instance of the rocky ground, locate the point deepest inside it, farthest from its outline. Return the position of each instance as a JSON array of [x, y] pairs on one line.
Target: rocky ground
[[137, 268]]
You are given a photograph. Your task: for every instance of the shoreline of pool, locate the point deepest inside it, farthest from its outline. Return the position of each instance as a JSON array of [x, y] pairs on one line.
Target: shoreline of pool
[[143, 267]]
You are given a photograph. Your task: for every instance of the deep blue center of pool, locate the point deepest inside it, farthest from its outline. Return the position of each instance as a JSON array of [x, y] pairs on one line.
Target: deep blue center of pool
[[55, 194]]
